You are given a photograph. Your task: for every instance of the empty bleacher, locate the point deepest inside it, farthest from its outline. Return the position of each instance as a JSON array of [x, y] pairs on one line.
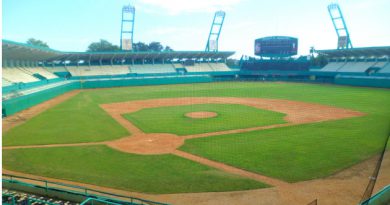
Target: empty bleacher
[[333, 66], [178, 65], [356, 67], [56, 69], [98, 70], [5, 83], [199, 67], [219, 67], [152, 68], [17, 75], [36, 70], [385, 69], [381, 64]]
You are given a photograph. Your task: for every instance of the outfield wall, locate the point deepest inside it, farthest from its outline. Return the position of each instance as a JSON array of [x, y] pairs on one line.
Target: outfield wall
[[22, 102], [14, 105], [380, 82], [108, 83], [19, 103]]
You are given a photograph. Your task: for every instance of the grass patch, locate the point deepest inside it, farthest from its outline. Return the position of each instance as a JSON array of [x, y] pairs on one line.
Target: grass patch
[[296, 153], [73, 121], [172, 119], [290, 153], [100, 165]]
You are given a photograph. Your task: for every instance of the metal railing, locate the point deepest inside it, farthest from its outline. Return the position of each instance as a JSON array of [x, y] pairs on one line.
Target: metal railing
[[76, 190]]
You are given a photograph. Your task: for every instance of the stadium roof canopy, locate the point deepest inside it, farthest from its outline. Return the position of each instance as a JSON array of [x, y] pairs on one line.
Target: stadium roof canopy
[[367, 52], [25, 52]]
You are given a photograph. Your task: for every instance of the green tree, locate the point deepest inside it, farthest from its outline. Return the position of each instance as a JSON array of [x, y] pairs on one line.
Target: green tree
[[155, 46], [319, 60], [36, 42], [140, 46], [102, 45], [167, 48]]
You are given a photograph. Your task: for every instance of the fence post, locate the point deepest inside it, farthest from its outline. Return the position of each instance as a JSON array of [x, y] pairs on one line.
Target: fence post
[[46, 187]]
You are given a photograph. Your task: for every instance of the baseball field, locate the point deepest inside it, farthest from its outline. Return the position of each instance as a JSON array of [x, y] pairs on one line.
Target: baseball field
[[211, 137]]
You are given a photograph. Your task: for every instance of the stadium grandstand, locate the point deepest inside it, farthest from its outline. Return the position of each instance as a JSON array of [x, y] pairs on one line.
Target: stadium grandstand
[[34, 74], [29, 70]]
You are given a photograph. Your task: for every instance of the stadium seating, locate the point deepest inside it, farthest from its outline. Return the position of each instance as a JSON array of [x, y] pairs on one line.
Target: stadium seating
[[56, 69], [20, 198], [5, 83], [152, 68], [219, 67], [40, 71], [199, 67], [381, 64], [356, 67], [333, 66], [272, 65], [385, 69], [178, 65], [17, 75], [98, 70]]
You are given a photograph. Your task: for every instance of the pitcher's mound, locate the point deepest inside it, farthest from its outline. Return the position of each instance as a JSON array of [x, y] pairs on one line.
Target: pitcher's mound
[[148, 143], [201, 115]]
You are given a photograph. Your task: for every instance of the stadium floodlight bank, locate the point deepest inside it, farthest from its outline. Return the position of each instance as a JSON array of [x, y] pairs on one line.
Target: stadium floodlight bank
[[344, 40], [215, 31]]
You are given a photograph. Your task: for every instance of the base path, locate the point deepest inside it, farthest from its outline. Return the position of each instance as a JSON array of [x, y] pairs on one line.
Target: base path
[[345, 187], [230, 169], [162, 143], [141, 143]]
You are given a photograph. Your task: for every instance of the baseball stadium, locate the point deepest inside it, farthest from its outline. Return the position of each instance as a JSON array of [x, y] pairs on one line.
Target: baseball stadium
[[132, 126]]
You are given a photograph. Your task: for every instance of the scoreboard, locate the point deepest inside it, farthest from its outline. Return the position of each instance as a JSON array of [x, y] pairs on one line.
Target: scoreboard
[[276, 46]]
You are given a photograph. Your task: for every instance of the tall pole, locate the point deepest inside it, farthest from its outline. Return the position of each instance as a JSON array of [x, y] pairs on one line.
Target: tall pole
[[215, 31], [127, 28]]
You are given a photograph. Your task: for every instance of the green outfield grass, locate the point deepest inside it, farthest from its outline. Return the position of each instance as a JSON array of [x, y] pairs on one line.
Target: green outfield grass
[[74, 121], [172, 119], [290, 153], [295, 153], [100, 165]]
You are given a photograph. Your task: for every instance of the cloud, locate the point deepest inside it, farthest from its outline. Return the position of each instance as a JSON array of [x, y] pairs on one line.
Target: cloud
[[175, 7]]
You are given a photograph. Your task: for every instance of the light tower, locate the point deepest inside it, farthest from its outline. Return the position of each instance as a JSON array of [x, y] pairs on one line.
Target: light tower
[[216, 27], [127, 27], [344, 41]]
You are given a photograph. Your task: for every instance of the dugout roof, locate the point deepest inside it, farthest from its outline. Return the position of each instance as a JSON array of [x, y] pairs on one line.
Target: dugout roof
[[367, 52], [24, 52]]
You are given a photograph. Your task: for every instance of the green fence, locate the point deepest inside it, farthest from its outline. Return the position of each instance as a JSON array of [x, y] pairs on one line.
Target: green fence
[[13, 105], [16, 104], [380, 198], [108, 83], [380, 82]]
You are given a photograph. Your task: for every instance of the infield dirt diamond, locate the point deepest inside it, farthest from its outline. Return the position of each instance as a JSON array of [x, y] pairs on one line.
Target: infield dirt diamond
[[163, 143]]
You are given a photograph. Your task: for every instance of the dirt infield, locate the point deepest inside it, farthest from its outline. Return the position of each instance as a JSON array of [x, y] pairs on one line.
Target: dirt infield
[[159, 143], [162, 143], [330, 190], [297, 113], [201, 115]]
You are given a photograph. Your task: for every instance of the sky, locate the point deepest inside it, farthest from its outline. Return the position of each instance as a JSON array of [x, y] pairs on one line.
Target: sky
[[71, 25]]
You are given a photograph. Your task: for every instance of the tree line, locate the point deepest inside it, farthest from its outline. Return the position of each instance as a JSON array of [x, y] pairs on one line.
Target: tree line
[[104, 45]]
